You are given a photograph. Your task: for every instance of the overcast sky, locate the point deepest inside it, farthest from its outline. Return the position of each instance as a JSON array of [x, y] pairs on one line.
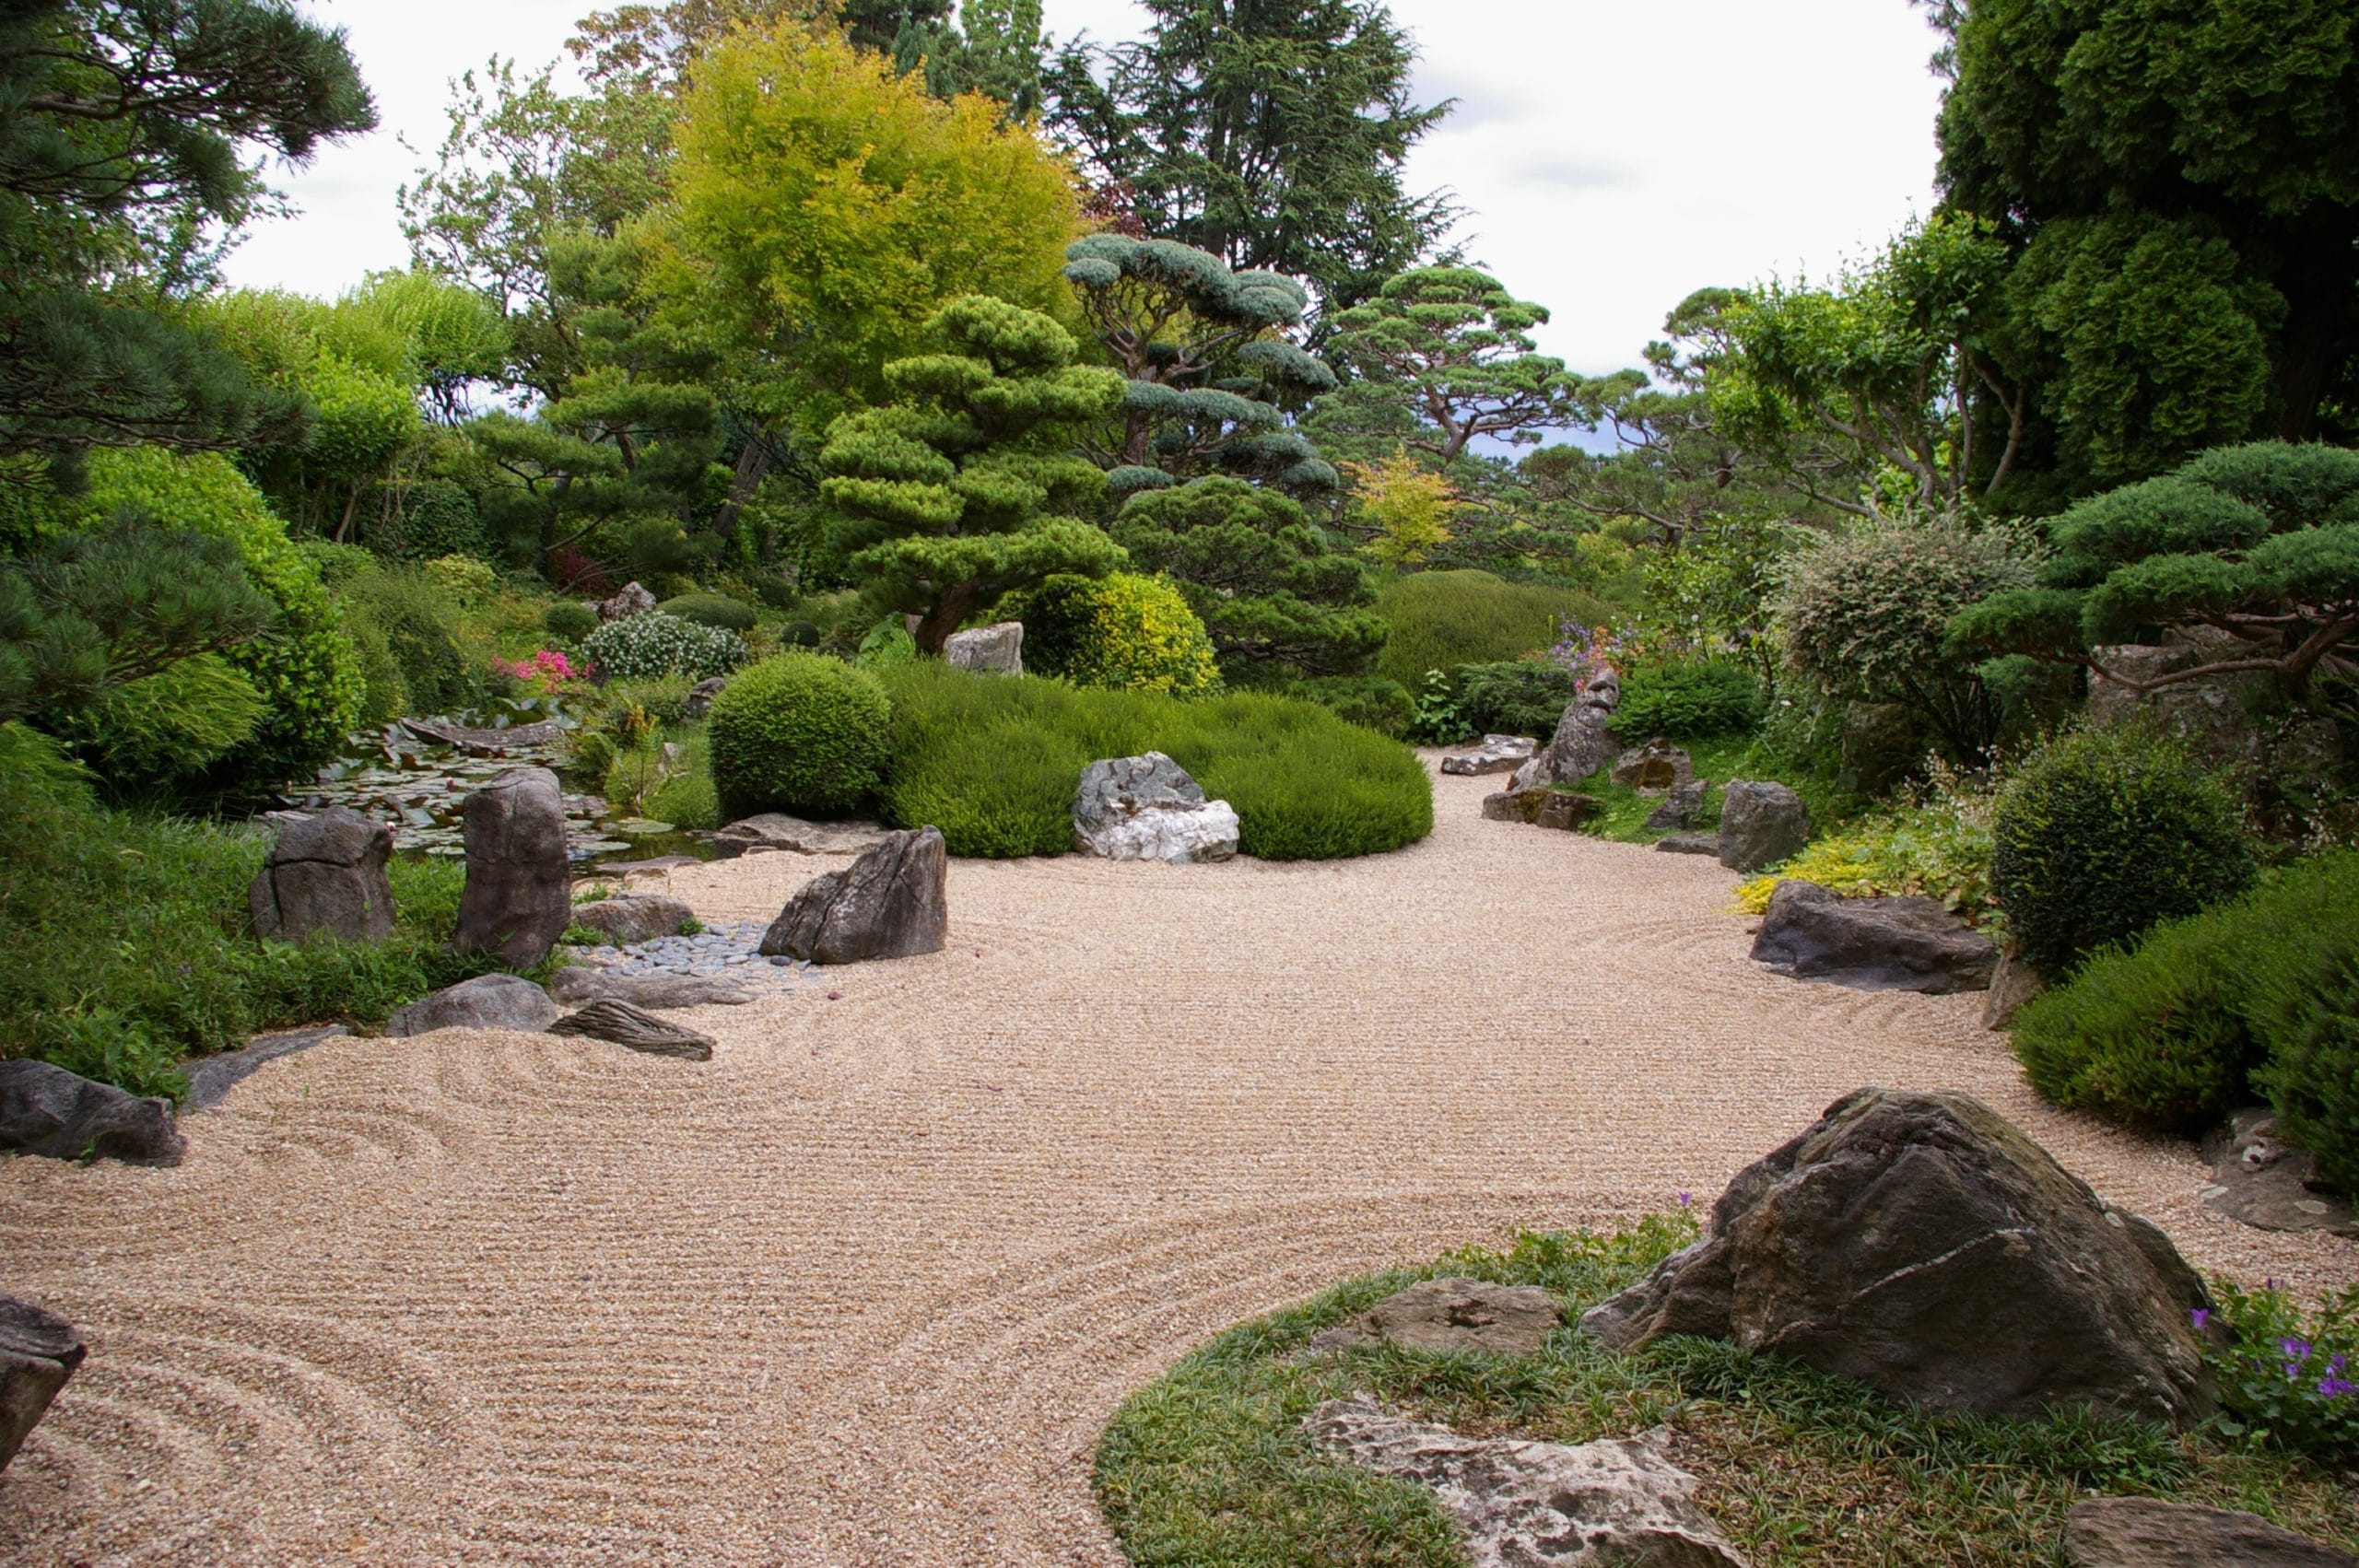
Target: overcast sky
[[1612, 157]]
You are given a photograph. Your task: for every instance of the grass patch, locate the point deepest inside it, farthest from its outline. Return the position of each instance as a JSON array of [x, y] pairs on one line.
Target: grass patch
[[1441, 620], [1208, 1466]]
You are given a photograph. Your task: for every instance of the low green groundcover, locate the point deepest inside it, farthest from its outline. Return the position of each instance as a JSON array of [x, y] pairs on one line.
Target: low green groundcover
[[1209, 1466]]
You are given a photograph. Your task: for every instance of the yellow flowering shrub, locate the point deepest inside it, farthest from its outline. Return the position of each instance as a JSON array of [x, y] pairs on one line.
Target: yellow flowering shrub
[[1122, 632]]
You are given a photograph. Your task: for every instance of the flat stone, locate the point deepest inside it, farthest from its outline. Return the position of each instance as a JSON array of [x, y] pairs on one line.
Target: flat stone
[[2260, 1179], [2146, 1532], [212, 1077], [632, 918], [38, 1351], [488, 1001], [778, 831], [1617, 1503], [46, 1110], [1559, 809], [1492, 754], [635, 1028], [1453, 1315], [1872, 944], [488, 742], [1690, 844], [575, 985]]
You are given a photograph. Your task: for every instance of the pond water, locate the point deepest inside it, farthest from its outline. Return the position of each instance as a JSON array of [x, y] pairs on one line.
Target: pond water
[[415, 778]]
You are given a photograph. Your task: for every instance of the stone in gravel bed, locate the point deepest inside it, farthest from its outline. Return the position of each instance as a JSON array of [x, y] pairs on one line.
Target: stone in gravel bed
[[38, 1351], [211, 1077], [46, 1110], [637, 1028]]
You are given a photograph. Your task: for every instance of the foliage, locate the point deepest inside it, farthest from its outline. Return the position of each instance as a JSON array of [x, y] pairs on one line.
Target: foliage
[[569, 619], [666, 777], [1369, 701], [2103, 833], [800, 733], [1935, 842], [658, 644], [2312, 1076], [416, 622], [1865, 615], [146, 737], [2290, 1377], [130, 152], [887, 643], [1409, 508], [1441, 620], [1123, 631], [995, 764], [1518, 697], [1271, 135], [965, 492], [1208, 1464], [1688, 698], [712, 610], [1437, 721]]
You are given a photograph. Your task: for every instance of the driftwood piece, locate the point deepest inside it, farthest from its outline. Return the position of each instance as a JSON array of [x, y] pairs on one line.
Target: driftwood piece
[[637, 1028]]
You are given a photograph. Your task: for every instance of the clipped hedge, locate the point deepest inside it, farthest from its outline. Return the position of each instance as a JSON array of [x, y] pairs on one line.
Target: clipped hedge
[[2103, 834], [712, 610], [994, 763], [1369, 701], [2313, 1073], [1518, 697], [569, 619], [1440, 620], [1123, 631], [800, 733], [1689, 698]]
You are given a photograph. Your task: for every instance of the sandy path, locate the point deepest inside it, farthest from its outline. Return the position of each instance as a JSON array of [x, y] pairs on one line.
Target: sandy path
[[864, 1288]]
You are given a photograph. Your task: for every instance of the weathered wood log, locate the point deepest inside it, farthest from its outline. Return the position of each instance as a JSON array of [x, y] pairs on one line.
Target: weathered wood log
[[635, 1027]]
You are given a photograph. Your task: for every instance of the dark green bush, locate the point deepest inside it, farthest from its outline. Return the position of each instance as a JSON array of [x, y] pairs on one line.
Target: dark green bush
[[994, 763], [2312, 1077], [1518, 697], [569, 619], [418, 622], [800, 634], [439, 518], [2171, 1034], [1688, 698], [2104, 833], [800, 732], [1441, 620], [712, 610], [1369, 701]]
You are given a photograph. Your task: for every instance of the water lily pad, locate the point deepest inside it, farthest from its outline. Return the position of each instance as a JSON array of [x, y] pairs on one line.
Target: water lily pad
[[641, 826]]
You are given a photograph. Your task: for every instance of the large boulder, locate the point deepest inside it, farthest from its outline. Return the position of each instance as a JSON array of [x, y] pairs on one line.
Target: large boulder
[[1583, 741], [628, 600], [46, 1110], [2146, 1532], [576, 984], [1658, 764], [1920, 1244], [1147, 808], [519, 895], [488, 1001], [890, 902], [1619, 1500], [1872, 944], [325, 876], [1761, 824], [1453, 1315], [1679, 809], [1492, 754], [700, 695], [38, 1351], [1560, 809], [993, 651], [630, 918], [777, 831]]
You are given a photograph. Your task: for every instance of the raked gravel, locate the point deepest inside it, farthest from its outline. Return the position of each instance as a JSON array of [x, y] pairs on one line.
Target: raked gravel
[[863, 1289]]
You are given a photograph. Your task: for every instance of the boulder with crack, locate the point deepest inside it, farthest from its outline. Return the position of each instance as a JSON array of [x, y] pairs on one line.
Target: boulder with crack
[[488, 1001], [992, 651], [1453, 1315], [325, 876], [890, 902], [1919, 1243], [1147, 808], [1872, 944], [38, 1351], [1617, 1500], [1680, 808], [1492, 754], [46, 1110]]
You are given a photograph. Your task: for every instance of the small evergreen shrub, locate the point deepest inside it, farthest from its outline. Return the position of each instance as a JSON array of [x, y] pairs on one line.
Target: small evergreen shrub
[[1441, 620], [1520, 697], [2104, 833], [800, 733], [151, 733], [1123, 631], [418, 621], [468, 581], [439, 519], [658, 644], [800, 634], [569, 619], [1369, 701], [2313, 1075], [712, 610], [1688, 698]]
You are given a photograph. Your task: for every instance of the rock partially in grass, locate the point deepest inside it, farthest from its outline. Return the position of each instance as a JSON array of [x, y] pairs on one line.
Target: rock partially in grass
[[1149, 808], [1492, 754], [993, 649], [38, 1351], [488, 1001], [1761, 824], [1453, 1315], [1690, 844], [576, 984], [1872, 944], [1680, 808], [628, 600], [46, 1110], [1583, 741], [1617, 1500], [1559, 809], [2260, 1179], [632, 918], [1920, 1244], [1658, 764], [623, 1024], [2144, 1532], [325, 876], [778, 831], [519, 893], [890, 902]]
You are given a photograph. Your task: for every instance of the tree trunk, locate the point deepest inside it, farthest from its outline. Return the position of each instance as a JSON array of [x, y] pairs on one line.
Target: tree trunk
[[752, 467]]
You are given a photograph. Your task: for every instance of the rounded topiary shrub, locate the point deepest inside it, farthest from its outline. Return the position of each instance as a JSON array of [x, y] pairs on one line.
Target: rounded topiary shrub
[[2105, 832], [1123, 632], [800, 733], [712, 610], [2314, 1078], [656, 644], [569, 619], [1369, 701]]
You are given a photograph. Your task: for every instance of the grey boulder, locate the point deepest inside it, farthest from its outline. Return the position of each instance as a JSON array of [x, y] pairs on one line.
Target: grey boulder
[[700, 695], [1690, 844], [46, 1110], [1492, 754], [325, 876], [630, 918], [620, 1024], [1559, 809], [38, 1351], [1658, 764], [1761, 824], [579, 983], [2260, 1179], [1149, 808], [628, 600], [1872, 944], [2013, 984], [777, 831], [1920, 1244], [1453, 1315], [993, 651], [1680, 808], [2146, 1532], [488, 1001], [519, 893], [1617, 1502], [1583, 741], [890, 902]]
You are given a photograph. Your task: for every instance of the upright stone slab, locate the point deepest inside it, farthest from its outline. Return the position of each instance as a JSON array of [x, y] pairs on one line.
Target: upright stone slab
[[993, 651], [1583, 741], [46, 1110], [519, 896], [890, 902], [325, 876], [1761, 824], [38, 1351]]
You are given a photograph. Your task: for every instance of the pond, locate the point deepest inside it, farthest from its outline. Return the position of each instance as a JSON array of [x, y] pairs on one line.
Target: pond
[[413, 774]]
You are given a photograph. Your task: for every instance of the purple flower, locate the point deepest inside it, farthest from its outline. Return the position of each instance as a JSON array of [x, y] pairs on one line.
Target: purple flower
[[1684, 1200], [2297, 1349], [2335, 1387], [2202, 1315]]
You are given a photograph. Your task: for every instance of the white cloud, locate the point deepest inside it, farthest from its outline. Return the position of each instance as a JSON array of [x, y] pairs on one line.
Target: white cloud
[[1613, 157]]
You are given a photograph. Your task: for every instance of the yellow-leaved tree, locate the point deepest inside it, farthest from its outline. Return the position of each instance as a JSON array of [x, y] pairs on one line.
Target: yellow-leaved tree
[[1408, 505]]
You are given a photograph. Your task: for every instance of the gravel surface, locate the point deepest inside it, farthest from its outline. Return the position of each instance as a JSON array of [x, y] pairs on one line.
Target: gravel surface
[[863, 1289]]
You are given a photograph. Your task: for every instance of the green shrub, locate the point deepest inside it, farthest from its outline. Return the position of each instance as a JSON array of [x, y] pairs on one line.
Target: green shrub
[[658, 644], [2312, 1077], [336, 564], [569, 619], [154, 733], [469, 582], [800, 733], [1369, 701], [439, 519], [887, 644], [656, 700], [2289, 1377], [2102, 834], [418, 621], [712, 610], [2170, 1035], [1689, 698], [383, 698], [1518, 697], [666, 776], [1441, 620], [1123, 631], [800, 634]]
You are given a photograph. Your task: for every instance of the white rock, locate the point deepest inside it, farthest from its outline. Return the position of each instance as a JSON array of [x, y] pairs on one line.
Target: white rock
[[995, 650], [1147, 808], [1493, 754]]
